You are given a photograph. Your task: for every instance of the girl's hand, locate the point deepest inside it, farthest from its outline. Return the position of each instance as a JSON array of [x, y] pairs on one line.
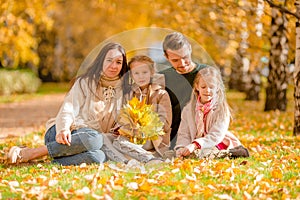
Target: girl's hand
[[179, 152], [182, 152], [191, 148], [64, 137], [185, 151]]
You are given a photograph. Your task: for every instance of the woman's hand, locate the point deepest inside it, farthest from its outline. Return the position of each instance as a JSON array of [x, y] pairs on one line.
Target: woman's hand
[[64, 137]]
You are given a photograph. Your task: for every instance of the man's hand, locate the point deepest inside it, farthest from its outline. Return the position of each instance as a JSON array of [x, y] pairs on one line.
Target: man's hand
[[64, 137]]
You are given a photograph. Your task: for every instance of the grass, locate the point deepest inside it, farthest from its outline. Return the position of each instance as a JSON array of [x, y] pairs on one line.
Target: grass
[[272, 171], [45, 88], [50, 88]]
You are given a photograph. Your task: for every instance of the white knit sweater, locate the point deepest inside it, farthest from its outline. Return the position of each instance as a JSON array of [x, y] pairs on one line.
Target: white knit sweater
[[81, 108]]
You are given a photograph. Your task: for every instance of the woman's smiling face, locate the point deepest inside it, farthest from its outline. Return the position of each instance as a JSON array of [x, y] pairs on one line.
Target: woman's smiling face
[[112, 64]]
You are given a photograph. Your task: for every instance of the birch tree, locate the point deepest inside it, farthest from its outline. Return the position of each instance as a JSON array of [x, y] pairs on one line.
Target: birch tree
[[277, 80], [297, 73]]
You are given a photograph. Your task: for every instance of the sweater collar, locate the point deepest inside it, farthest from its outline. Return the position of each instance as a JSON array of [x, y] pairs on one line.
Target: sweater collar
[[110, 82], [153, 87]]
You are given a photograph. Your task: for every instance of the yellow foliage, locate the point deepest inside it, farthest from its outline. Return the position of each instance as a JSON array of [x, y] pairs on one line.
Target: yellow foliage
[[139, 122], [20, 20]]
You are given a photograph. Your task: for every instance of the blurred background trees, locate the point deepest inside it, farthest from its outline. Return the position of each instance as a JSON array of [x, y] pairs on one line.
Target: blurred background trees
[[253, 41], [53, 37]]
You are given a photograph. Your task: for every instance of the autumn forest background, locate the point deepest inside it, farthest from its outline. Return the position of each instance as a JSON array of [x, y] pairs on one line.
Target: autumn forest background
[[250, 40], [51, 38], [254, 42]]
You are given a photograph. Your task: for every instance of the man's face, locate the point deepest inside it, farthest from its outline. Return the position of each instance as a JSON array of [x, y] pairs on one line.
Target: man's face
[[180, 59]]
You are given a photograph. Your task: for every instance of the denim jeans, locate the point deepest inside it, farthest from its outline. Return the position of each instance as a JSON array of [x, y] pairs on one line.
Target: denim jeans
[[85, 147]]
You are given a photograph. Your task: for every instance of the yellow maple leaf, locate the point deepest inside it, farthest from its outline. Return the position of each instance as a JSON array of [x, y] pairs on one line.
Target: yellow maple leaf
[[139, 122], [276, 173]]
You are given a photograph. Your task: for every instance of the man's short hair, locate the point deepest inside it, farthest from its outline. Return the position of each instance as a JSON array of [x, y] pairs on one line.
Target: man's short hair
[[175, 41]]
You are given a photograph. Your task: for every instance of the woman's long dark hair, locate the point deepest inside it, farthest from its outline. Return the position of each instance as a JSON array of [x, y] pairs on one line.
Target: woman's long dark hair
[[94, 71]]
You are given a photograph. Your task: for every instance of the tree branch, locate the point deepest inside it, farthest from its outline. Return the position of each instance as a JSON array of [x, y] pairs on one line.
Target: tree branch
[[282, 8]]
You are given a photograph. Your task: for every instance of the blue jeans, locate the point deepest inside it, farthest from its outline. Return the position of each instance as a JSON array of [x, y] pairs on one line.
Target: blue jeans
[[85, 147]]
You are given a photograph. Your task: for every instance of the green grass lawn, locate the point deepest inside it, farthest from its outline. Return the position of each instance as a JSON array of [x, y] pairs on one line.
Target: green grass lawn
[[272, 171], [45, 88]]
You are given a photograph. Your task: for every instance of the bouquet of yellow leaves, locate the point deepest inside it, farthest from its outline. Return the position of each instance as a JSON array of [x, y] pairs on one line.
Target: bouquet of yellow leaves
[[139, 122]]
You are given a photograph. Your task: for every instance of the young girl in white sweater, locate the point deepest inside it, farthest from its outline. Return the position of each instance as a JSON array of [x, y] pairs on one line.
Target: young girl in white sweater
[[205, 119]]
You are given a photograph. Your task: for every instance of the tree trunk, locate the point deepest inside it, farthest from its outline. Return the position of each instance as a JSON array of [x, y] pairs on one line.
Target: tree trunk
[[236, 75], [277, 79], [297, 75], [45, 52], [243, 80], [253, 86]]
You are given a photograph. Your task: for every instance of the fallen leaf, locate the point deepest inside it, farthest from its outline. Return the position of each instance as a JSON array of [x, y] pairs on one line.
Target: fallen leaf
[[191, 178], [132, 185], [13, 184], [89, 177], [83, 165], [224, 196], [247, 195], [84, 190], [244, 162], [276, 173], [52, 182], [259, 177]]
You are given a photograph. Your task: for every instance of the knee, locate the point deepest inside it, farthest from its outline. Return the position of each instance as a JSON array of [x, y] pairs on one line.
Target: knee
[[50, 135], [96, 139], [93, 140], [95, 156]]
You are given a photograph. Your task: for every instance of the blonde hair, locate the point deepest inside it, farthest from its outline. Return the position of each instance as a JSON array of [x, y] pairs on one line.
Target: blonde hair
[[143, 59], [212, 75]]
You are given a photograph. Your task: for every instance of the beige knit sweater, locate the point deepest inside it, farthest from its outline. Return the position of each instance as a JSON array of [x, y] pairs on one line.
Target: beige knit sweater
[[81, 108]]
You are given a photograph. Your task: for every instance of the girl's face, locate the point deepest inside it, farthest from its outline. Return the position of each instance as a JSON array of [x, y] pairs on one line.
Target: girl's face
[[140, 73], [112, 64], [206, 91]]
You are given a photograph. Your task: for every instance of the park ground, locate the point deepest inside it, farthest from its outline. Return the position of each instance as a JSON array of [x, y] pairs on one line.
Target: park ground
[[272, 171], [24, 117]]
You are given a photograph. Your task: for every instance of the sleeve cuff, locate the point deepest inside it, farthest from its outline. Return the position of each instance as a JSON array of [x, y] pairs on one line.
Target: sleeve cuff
[[198, 146]]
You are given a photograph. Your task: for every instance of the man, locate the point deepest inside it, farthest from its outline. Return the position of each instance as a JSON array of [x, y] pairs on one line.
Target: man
[[180, 77]]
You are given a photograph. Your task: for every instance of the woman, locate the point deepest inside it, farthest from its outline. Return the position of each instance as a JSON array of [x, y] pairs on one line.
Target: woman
[[89, 109]]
